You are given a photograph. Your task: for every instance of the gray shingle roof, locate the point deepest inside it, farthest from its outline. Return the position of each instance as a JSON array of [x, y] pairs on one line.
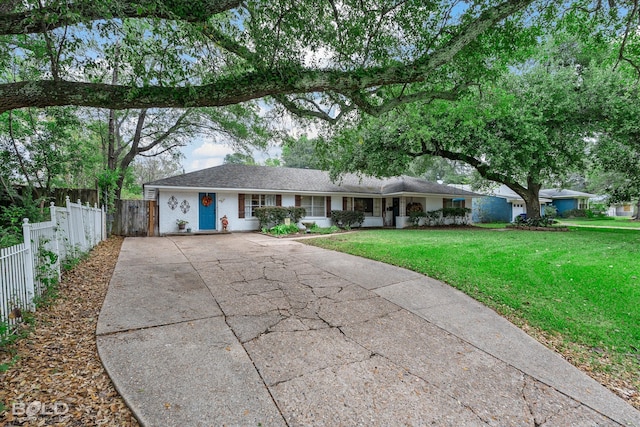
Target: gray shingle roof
[[247, 177], [564, 194]]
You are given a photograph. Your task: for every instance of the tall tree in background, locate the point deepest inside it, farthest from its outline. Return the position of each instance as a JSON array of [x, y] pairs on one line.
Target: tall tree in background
[[40, 147], [617, 147], [147, 169], [239, 159], [301, 153], [440, 169]]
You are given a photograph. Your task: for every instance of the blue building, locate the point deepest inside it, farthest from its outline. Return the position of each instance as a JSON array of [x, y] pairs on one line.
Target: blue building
[[566, 200], [501, 204]]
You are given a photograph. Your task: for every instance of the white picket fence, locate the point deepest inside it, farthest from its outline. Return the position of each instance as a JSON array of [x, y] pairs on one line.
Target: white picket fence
[[26, 268]]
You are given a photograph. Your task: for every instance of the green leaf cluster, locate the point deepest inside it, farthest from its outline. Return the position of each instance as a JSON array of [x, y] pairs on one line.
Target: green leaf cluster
[[270, 216], [347, 219]]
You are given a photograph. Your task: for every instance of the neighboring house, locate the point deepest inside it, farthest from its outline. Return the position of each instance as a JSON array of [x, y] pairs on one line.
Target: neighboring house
[[500, 204], [566, 200], [622, 209], [203, 197]]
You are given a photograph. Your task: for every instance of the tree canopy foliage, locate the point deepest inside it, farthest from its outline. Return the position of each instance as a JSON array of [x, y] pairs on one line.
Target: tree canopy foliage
[[239, 159], [616, 153], [301, 153], [372, 54]]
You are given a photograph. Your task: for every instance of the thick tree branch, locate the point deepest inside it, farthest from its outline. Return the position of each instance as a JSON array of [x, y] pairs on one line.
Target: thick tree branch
[[376, 110], [60, 14], [226, 91], [483, 169]]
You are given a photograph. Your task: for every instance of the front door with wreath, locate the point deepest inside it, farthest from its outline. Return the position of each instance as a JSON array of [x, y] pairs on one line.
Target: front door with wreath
[[207, 211]]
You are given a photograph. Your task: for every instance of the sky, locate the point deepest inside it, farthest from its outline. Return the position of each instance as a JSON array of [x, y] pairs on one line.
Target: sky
[[205, 153]]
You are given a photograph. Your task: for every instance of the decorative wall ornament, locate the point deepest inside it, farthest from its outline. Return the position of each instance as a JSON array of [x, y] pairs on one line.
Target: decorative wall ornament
[[173, 202], [184, 206], [206, 201]]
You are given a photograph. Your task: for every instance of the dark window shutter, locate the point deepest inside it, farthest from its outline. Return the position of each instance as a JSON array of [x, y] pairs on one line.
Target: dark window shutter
[[240, 205], [384, 207], [344, 203], [328, 201], [463, 203], [278, 199], [444, 203], [298, 200]]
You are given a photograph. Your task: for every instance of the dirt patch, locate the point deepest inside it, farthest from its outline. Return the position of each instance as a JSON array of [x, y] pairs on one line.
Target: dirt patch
[[57, 378]]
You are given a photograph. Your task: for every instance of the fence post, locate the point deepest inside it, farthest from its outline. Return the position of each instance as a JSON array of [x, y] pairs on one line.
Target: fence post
[[28, 264], [89, 224], [56, 244], [103, 220], [84, 245], [70, 231]]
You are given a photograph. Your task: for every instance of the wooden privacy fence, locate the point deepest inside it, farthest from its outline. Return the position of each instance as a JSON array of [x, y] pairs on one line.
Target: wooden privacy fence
[[27, 268], [134, 218]]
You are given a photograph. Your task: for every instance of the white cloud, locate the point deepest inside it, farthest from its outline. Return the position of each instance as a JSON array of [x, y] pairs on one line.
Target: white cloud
[[198, 164], [206, 155], [209, 149]]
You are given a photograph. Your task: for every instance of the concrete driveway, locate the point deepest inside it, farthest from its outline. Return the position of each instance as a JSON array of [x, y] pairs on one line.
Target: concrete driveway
[[247, 330]]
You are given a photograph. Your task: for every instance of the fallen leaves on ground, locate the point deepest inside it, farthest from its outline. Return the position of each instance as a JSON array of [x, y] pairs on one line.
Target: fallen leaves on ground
[[57, 378], [618, 373]]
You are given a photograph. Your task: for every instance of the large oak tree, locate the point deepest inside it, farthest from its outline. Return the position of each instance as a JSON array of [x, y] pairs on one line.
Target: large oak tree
[[529, 128]]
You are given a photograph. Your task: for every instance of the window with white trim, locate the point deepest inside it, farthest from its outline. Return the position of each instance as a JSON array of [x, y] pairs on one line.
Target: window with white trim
[[313, 205], [253, 201]]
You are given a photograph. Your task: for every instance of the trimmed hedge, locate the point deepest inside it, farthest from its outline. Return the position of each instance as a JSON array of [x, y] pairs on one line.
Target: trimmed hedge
[[416, 216], [437, 217], [346, 219], [270, 216]]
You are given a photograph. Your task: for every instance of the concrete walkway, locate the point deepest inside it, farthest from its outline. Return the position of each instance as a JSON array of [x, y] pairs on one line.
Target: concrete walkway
[[248, 330]]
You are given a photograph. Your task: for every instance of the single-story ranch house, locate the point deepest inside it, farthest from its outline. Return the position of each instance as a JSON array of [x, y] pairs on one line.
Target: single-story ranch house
[[203, 197]]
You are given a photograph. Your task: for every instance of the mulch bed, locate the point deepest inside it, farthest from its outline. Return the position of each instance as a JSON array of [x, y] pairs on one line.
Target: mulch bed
[[58, 378]]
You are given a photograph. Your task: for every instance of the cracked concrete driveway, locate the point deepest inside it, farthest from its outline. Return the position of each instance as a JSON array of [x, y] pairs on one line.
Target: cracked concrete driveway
[[247, 330]]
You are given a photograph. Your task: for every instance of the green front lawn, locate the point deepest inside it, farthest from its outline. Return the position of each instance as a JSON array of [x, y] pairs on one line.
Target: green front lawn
[[583, 285], [608, 222]]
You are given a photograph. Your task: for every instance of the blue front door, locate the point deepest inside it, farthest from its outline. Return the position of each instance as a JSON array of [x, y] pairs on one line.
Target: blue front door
[[207, 211]]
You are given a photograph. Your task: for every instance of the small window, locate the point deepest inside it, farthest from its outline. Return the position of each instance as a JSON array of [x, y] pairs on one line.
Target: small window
[[453, 203], [363, 204]]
